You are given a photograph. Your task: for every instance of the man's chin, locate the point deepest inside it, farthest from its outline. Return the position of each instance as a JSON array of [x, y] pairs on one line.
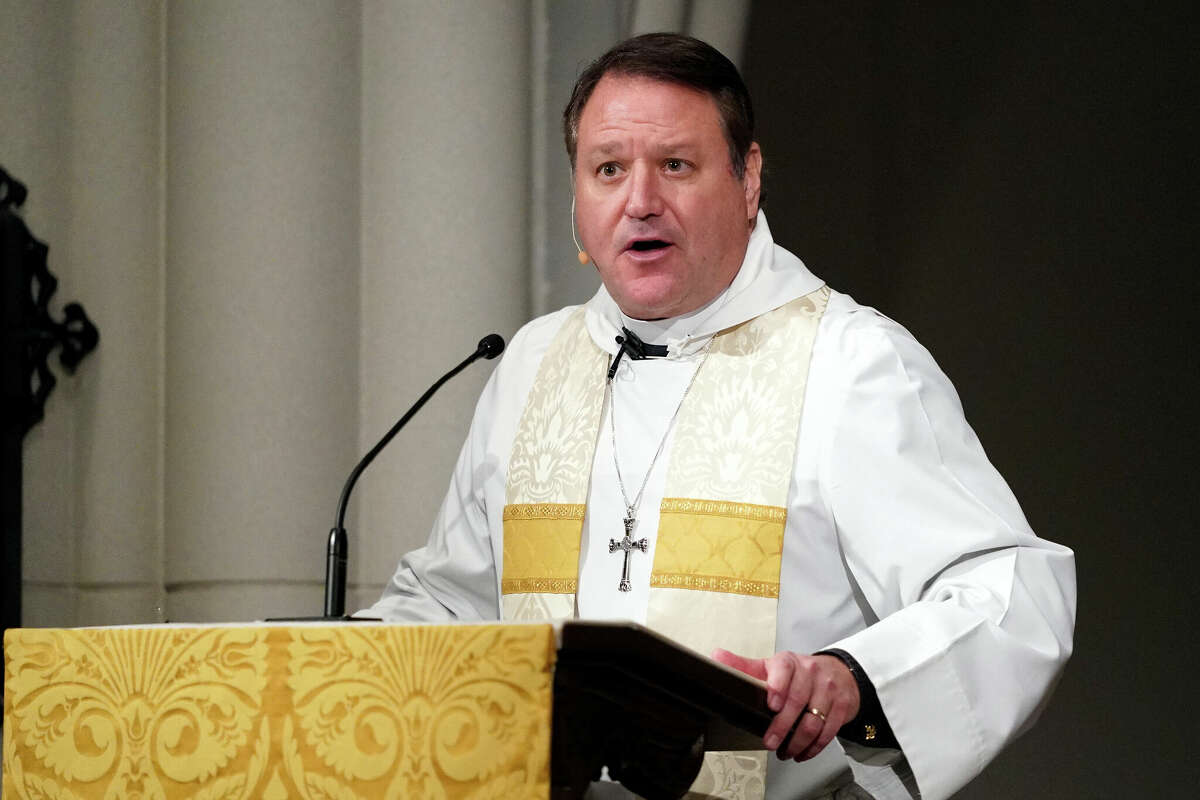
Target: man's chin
[[651, 307]]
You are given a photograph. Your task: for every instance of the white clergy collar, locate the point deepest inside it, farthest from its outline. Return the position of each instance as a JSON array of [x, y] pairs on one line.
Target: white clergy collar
[[677, 333], [769, 277]]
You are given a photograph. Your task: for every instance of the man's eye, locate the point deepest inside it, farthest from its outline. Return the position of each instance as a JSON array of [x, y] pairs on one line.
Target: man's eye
[[674, 165], [608, 170]]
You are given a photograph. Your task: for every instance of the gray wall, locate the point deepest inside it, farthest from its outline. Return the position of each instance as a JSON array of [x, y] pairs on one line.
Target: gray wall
[[271, 211], [1016, 184]]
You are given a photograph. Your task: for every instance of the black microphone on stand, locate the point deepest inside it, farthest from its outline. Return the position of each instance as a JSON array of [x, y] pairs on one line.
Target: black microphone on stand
[[489, 347]]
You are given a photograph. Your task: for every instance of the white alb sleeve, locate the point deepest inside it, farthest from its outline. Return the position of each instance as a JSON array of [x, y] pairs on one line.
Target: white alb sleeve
[[976, 613]]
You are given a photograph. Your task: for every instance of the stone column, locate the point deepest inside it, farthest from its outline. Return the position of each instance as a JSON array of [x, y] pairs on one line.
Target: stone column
[[33, 128], [656, 16], [572, 33], [81, 128], [113, 246], [262, 290], [721, 23], [445, 245]]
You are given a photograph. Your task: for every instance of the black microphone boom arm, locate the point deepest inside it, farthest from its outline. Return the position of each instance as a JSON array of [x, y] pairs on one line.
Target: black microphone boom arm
[[337, 553]]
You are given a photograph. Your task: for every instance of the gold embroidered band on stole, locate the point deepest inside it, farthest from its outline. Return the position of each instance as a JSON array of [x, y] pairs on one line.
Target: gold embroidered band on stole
[[719, 546], [527, 511], [715, 583], [548, 473], [541, 547], [724, 508]]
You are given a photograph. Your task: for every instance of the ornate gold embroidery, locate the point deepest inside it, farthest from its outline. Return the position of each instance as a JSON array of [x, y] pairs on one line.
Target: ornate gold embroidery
[[135, 711], [426, 707], [268, 712], [722, 508], [540, 550], [544, 511], [715, 583], [537, 585], [715, 546]]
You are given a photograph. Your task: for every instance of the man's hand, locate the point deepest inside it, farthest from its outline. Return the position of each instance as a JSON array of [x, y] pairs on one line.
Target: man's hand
[[800, 685]]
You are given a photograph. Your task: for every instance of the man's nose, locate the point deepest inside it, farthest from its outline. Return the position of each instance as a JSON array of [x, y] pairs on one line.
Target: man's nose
[[645, 194]]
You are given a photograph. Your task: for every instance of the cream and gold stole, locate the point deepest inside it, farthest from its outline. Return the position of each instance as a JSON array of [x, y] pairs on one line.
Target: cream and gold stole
[[715, 577]]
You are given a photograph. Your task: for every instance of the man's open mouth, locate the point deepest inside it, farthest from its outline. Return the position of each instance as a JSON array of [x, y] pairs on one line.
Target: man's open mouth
[[649, 244]]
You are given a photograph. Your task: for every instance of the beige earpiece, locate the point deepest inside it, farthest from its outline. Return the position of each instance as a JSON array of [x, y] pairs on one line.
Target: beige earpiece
[[584, 258]]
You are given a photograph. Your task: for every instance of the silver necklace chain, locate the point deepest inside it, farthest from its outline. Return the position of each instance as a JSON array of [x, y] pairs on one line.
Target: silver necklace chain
[[631, 508]]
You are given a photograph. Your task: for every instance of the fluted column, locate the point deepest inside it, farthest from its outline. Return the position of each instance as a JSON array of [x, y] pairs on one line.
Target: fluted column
[[33, 96], [113, 244], [262, 226], [445, 244], [82, 129], [721, 23], [656, 16]]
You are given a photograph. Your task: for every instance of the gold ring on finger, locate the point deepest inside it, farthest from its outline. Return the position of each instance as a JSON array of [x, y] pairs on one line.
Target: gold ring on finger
[[818, 712]]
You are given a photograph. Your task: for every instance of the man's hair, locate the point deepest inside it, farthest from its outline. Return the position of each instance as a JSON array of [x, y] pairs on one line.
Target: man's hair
[[672, 58]]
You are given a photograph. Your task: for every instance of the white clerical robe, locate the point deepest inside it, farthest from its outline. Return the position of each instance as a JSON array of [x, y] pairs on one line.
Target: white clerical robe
[[903, 545]]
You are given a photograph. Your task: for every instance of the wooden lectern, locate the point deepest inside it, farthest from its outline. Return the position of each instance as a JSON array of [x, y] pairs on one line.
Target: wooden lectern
[[481, 711]]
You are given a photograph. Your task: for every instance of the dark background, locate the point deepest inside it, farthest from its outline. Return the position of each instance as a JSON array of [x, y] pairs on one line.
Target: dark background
[[1014, 183]]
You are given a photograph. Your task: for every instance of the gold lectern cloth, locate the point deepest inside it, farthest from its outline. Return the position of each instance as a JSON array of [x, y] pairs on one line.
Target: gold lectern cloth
[[261, 711]]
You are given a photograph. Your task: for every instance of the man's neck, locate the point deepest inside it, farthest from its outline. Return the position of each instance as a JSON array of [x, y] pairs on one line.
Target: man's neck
[[658, 331]]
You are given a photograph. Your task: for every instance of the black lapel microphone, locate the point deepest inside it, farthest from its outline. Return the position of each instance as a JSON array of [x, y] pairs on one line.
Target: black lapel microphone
[[489, 347], [638, 350]]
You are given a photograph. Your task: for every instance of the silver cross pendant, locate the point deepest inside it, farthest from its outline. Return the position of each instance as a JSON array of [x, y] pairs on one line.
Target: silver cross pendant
[[628, 545]]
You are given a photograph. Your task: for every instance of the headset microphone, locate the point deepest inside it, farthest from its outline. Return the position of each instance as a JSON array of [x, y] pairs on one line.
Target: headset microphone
[[584, 258]]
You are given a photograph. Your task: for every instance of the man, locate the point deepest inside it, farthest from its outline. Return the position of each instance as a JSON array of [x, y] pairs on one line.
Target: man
[[721, 447]]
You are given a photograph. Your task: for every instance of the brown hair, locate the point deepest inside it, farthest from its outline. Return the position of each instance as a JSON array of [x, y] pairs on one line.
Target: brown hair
[[672, 58]]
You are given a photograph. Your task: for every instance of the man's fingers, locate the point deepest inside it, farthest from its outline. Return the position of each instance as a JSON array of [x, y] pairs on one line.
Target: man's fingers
[[805, 692], [820, 743], [835, 718], [754, 667], [836, 696], [816, 723], [788, 688]]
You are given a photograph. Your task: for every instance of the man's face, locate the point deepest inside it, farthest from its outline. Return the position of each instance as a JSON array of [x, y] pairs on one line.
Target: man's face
[[659, 208]]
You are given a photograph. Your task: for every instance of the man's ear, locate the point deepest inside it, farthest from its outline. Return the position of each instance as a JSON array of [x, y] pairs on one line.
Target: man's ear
[[752, 181]]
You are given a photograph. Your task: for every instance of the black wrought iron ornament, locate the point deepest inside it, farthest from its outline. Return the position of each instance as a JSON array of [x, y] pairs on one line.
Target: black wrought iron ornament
[[28, 337], [31, 333]]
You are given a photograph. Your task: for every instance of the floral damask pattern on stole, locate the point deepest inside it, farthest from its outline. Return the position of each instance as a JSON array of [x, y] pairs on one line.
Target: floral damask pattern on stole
[[737, 436], [271, 712], [737, 774], [551, 459], [548, 476]]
